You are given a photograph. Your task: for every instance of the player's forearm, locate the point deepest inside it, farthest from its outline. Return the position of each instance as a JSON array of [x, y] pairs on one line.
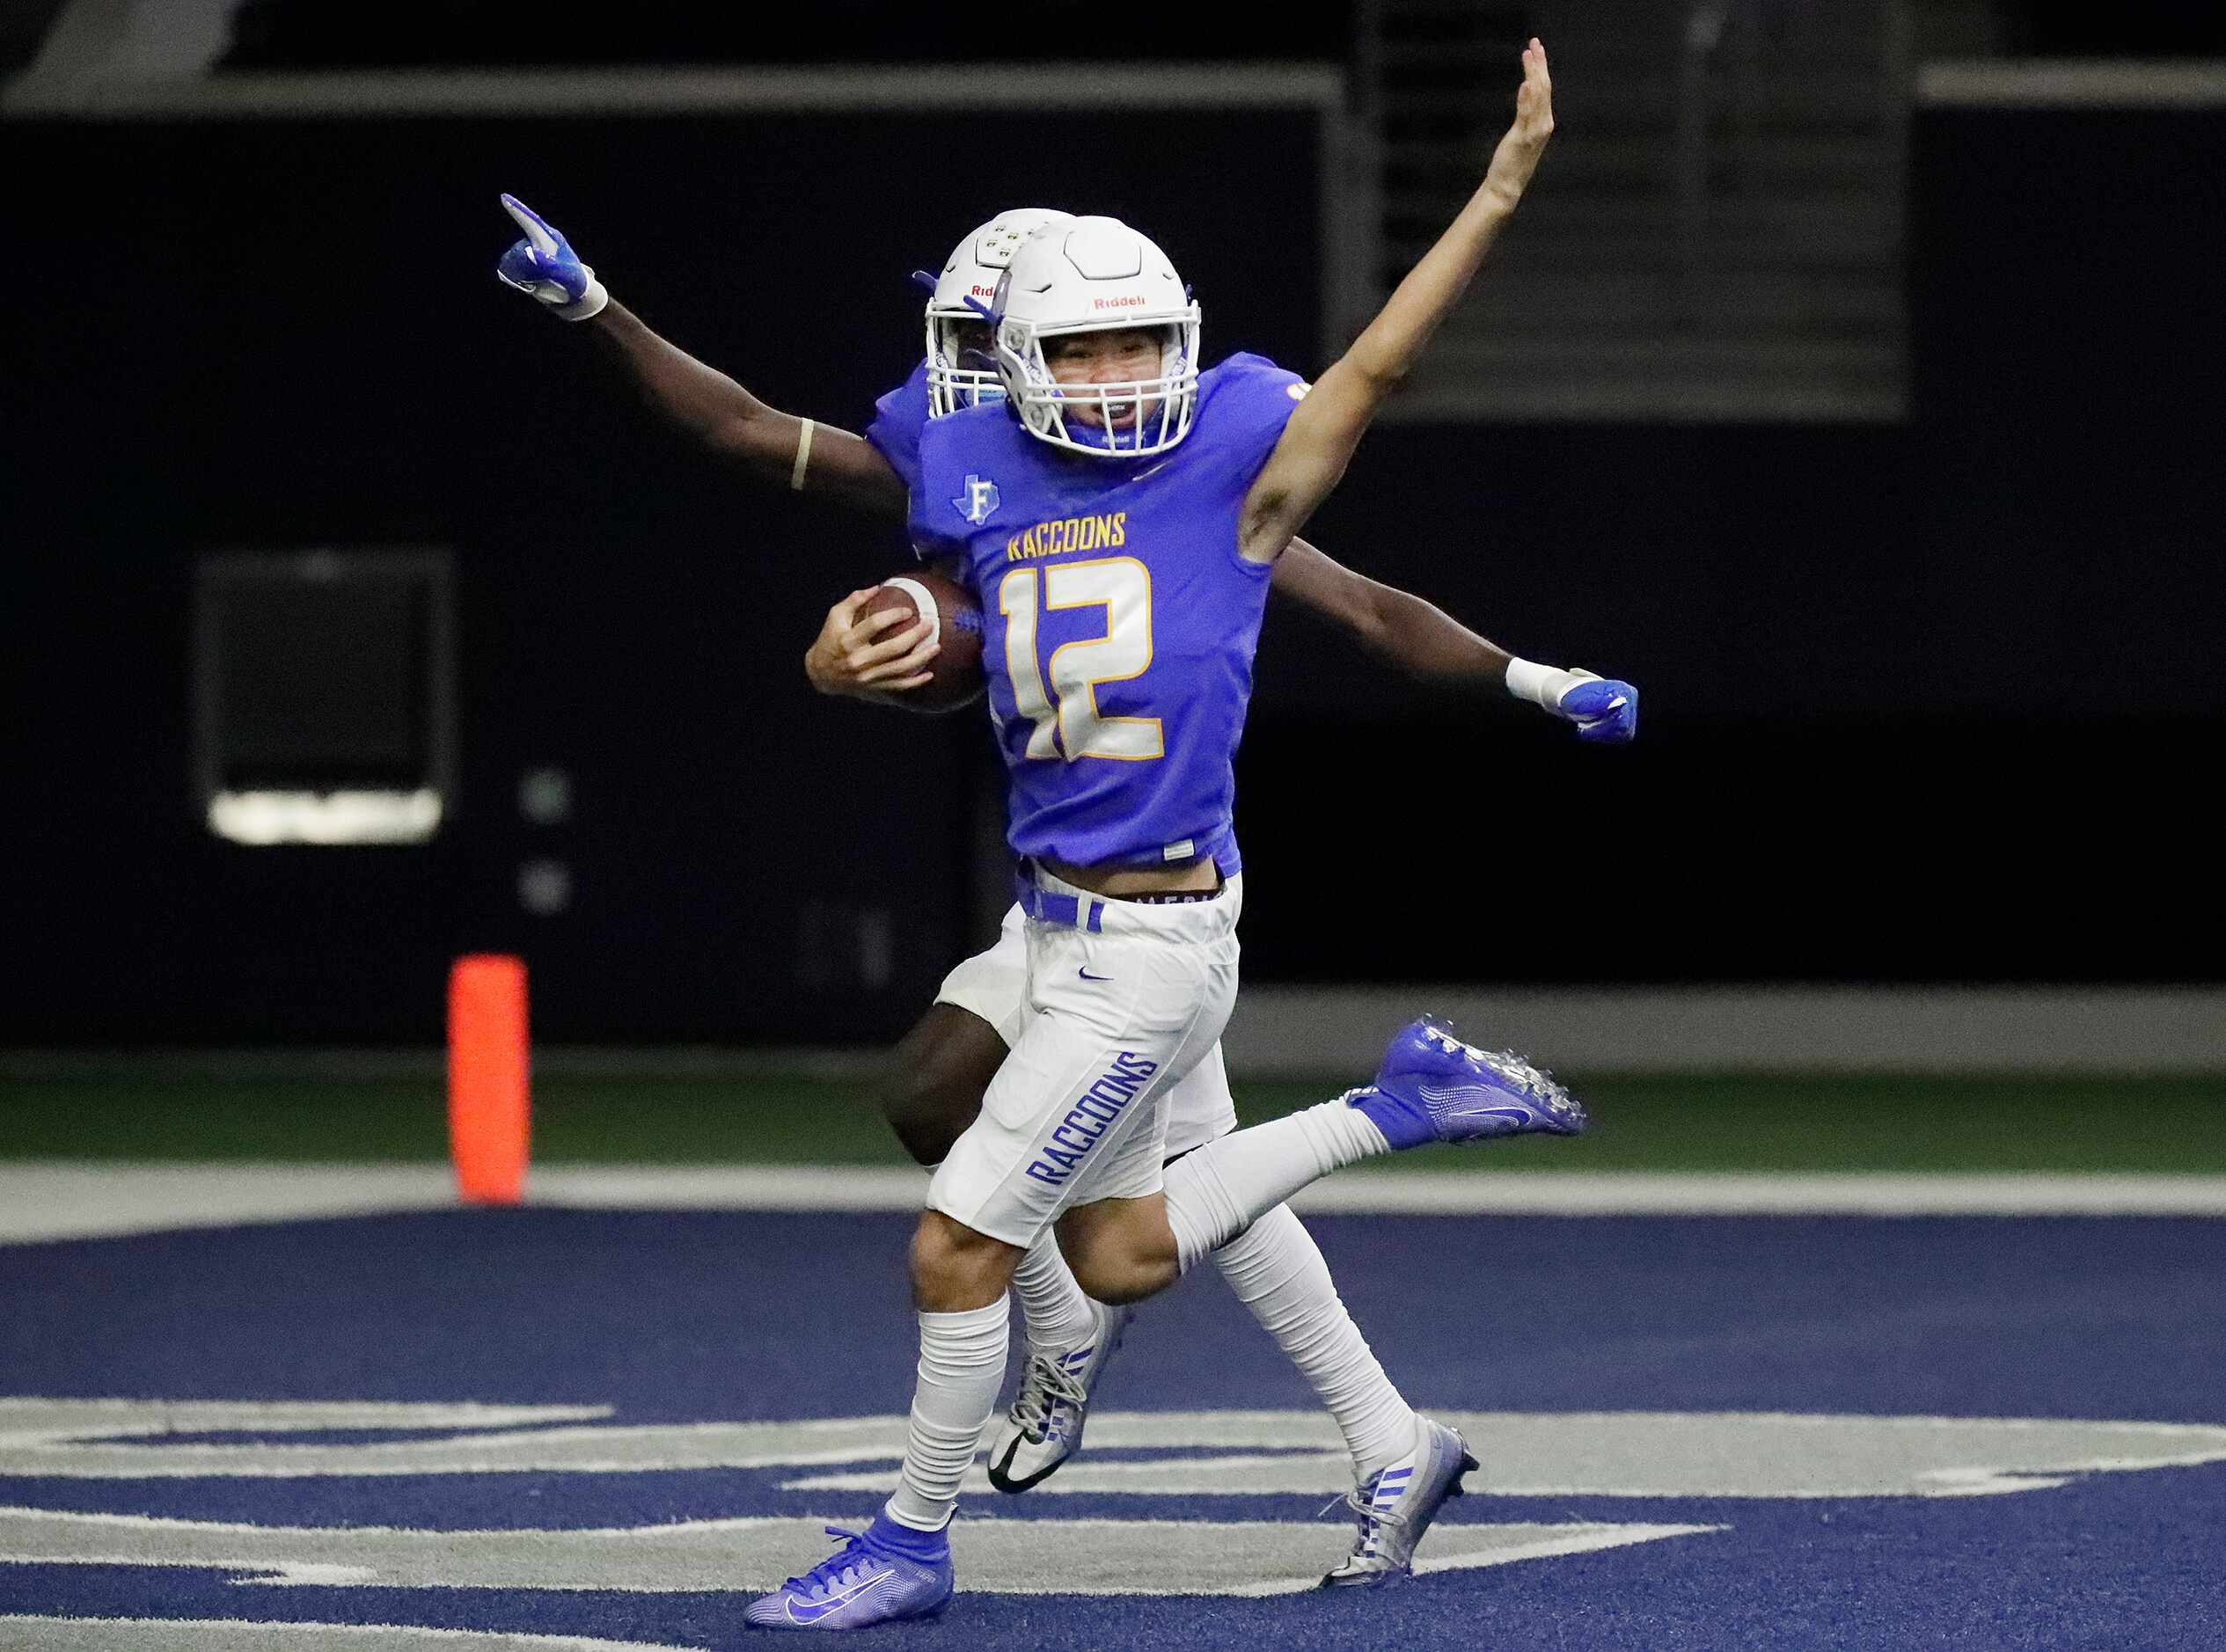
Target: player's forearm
[[1322, 434], [1327, 425], [712, 408], [1320, 440], [1413, 636], [694, 397], [1425, 642], [896, 699], [1387, 348]]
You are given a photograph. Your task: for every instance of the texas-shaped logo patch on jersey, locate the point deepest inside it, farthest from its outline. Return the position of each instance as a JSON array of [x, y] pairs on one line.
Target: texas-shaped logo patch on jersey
[[978, 503]]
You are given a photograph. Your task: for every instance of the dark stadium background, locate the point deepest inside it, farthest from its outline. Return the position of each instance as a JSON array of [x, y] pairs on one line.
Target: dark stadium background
[[1929, 701], [1884, 960]]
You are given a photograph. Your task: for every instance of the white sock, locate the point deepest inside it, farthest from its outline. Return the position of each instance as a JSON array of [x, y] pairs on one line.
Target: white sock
[[1213, 1194], [1276, 1270], [961, 1366], [1058, 1314]]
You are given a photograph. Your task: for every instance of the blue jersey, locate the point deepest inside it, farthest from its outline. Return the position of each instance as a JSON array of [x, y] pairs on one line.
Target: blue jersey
[[898, 419], [1119, 619]]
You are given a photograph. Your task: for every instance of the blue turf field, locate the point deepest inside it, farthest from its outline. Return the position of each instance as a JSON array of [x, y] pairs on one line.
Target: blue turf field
[[753, 1319]]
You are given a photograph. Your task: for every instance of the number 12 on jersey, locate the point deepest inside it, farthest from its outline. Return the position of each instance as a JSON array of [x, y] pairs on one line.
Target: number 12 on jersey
[[1064, 721]]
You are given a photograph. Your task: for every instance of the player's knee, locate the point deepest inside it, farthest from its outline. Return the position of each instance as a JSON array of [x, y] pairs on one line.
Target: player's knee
[[1128, 1271], [955, 1269]]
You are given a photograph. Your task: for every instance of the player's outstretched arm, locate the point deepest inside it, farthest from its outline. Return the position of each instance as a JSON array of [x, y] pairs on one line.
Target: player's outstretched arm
[[794, 452], [1401, 629], [1422, 641], [1324, 429], [692, 395]]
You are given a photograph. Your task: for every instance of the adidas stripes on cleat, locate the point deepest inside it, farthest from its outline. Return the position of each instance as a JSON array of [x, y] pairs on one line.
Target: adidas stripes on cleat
[[1396, 1505], [1045, 1427]]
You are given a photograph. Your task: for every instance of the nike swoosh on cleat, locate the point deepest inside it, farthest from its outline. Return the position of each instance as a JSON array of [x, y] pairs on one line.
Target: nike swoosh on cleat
[[1513, 1115], [814, 1611]]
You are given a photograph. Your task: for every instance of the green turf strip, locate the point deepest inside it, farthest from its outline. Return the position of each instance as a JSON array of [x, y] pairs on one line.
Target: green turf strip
[[1641, 1123]]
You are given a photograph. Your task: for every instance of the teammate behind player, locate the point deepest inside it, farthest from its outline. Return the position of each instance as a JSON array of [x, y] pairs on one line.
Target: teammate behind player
[[1104, 566]]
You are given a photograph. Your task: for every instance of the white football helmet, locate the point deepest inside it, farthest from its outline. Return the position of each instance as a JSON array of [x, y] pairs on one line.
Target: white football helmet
[[959, 375], [1092, 275]]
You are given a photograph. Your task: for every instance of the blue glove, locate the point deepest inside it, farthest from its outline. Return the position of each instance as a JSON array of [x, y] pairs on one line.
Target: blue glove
[[1604, 711], [545, 264]]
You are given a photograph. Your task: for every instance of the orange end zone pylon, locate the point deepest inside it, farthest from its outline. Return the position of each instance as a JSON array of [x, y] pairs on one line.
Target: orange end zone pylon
[[489, 1106]]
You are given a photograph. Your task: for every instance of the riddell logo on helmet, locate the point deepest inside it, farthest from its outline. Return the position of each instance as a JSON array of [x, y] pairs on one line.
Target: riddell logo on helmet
[[1116, 303], [983, 292]]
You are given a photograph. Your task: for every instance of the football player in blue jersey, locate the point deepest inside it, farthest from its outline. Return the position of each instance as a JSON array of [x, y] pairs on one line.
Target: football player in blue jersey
[[945, 1064], [1117, 516], [1111, 419]]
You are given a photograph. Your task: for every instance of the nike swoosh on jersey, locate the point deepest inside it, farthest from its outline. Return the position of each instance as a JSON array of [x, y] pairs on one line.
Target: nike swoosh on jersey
[[1087, 975], [813, 1610]]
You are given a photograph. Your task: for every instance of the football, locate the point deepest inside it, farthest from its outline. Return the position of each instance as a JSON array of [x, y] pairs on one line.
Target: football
[[955, 621]]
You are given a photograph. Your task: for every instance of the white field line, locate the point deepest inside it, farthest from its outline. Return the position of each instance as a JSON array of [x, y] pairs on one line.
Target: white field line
[[80, 1200]]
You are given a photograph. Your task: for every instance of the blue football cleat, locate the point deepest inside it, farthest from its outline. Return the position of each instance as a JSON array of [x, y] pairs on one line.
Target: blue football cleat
[[881, 1575], [1433, 1088], [1396, 1505]]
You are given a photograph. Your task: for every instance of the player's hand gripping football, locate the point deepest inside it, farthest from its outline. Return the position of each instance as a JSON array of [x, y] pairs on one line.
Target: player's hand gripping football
[[868, 658], [545, 264], [1517, 157], [1605, 710]]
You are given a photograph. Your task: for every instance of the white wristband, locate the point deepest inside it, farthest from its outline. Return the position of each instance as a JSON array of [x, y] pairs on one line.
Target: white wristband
[[1541, 684], [803, 458], [587, 304]]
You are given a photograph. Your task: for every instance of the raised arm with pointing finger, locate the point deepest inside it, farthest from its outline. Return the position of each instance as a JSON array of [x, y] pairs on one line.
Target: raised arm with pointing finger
[[699, 399]]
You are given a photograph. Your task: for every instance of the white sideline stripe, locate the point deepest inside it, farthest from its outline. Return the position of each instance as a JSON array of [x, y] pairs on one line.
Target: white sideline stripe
[[241, 94], [79, 1200]]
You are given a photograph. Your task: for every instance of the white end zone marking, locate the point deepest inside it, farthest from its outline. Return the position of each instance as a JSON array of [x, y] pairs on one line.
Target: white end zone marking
[[1578, 1539], [996, 1556], [1655, 1454], [1652, 1454], [1232, 1453]]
